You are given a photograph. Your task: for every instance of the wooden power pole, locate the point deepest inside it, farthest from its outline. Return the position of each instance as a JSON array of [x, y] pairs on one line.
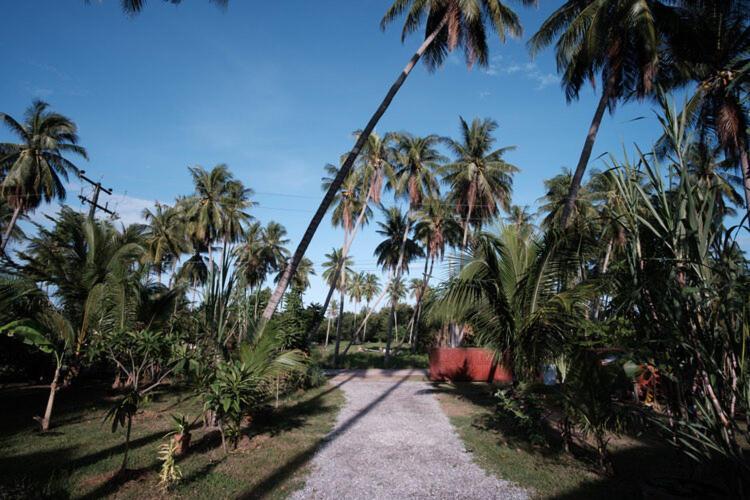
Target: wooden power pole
[[94, 201]]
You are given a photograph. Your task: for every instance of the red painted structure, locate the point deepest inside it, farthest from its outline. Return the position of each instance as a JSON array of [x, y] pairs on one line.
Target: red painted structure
[[467, 364]]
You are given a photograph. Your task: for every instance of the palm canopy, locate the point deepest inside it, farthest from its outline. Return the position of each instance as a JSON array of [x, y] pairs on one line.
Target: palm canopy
[[165, 235], [371, 287], [36, 166], [395, 229], [553, 202], [376, 163], [301, 278], [335, 260], [437, 227], [262, 251], [617, 38], [509, 292], [711, 47], [83, 260], [349, 200], [480, 179], [417, 163], [465, 24]]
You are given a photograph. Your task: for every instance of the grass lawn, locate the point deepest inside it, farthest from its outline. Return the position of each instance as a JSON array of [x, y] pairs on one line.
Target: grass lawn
[[370, 355], [79, 456], [547, 471]]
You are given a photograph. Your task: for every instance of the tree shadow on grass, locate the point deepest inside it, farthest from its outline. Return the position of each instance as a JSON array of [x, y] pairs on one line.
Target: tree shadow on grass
[[301, 459]]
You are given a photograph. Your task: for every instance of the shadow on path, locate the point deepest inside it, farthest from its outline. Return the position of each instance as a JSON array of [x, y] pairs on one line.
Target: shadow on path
[[298, 461]]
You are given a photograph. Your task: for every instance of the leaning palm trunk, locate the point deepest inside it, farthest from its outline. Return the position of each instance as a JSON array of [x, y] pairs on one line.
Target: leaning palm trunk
[[583, 161], [339, 320], [344, 171], [9, 230], [51, 400], [344, 253]]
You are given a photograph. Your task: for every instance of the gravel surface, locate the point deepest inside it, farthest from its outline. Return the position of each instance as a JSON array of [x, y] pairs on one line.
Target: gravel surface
[[392, 440]]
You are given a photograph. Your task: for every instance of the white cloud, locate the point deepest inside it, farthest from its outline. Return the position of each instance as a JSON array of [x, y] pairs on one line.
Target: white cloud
[[129, 208], [528, 70], [484, 94]]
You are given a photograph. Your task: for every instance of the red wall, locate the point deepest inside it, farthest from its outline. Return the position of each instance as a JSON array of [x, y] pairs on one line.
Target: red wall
[[466, 364]]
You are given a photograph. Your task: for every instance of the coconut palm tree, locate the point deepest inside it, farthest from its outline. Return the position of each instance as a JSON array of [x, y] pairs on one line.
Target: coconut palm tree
[[394, 254], [436, 228], [711, 48], [415, 179], [617, 39], [555, 199], [335, 260], [370, 290], [356, 292], [82, 262], [449, 24], [349, 202], [36, 167], [6, 215], [520, 217], [165, 237], [205, 209], [479, 178]]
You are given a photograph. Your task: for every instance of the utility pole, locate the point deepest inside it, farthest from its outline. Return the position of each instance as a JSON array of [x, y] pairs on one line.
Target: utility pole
[[94, 202]]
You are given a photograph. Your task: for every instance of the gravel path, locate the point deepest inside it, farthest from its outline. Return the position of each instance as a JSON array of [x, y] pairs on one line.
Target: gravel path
[[392, 440]]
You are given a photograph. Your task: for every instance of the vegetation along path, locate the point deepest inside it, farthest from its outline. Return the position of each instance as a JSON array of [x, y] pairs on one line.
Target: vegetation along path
[[392, 440]]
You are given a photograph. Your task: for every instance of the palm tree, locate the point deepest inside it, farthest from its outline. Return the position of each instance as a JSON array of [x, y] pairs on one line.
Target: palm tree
[[337, 260], [436, 228], [262, 251], [205, 209], [356, 292], [6, 215], [36, 167], [348, 202], [555, 199], [301, 279], [710, 48], [449, 24], [618, 39], [86, 265], [479, 178], [370, 290], [394, 254], [396, 291], [521, 218], [165, 239], [417, 163]]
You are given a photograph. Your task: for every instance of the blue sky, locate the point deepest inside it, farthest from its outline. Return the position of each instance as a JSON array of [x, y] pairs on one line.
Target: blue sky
[[275, 92]]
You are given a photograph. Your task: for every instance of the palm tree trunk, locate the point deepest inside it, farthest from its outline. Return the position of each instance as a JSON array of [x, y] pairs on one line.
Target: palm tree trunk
[[339, 320], [583, 161], [328, 330], [468, 220], [344, 171], [9, 229], [745, 162], [389, 336], [414, 315], [51, 400]]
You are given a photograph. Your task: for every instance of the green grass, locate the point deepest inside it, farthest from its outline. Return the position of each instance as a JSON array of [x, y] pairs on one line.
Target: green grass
[[369, 355], [549, 472], [78, 458]]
